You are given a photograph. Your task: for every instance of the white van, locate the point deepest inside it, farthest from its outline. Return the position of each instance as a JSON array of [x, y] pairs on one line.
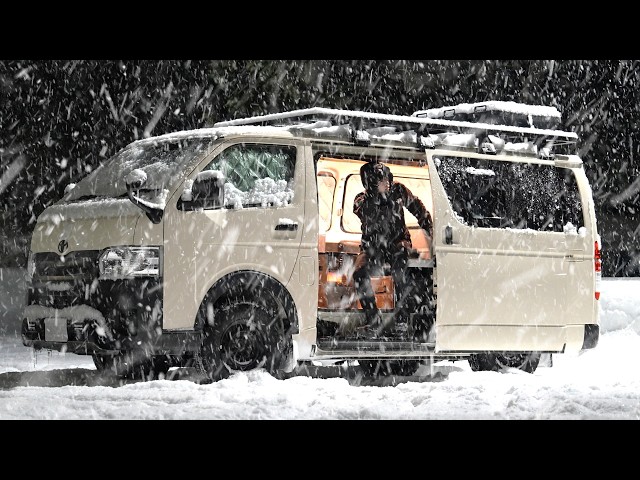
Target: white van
[[230, 248]]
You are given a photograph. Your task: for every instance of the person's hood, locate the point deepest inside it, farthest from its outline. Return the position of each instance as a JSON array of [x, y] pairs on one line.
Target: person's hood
[[371, 173]]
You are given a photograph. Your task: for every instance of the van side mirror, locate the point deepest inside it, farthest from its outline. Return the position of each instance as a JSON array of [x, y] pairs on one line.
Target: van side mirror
[[207, 191], [135, 181]]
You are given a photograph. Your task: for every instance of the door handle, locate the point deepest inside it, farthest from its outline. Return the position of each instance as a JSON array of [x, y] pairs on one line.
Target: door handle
[[448, 235], [287, 226]]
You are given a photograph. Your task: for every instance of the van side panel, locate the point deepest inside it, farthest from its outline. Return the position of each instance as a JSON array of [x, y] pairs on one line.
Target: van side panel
[[508, 288]]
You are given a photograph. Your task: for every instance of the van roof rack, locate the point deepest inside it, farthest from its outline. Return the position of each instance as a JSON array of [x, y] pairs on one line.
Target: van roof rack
[[420, 123], [506, 113]]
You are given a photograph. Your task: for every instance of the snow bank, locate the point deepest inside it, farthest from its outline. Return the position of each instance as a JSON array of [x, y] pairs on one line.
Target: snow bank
[[619, 305]]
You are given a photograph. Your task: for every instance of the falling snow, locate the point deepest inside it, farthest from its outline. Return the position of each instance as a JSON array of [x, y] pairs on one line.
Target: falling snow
[[60, 120]]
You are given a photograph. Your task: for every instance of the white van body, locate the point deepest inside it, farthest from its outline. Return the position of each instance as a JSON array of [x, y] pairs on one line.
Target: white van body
[[228, 248]]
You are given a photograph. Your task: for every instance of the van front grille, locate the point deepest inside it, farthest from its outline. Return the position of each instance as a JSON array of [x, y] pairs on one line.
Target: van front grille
[[73, 266]]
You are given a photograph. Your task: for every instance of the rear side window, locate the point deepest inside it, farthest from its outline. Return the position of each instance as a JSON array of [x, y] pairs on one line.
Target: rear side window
[[492, 193]]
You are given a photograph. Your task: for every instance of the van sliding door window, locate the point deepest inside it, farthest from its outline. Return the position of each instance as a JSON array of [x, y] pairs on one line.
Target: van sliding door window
[[256, 175], [498, 194]]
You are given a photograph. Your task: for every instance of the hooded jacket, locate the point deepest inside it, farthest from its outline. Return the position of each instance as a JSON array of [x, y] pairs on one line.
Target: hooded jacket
[[384, 227]]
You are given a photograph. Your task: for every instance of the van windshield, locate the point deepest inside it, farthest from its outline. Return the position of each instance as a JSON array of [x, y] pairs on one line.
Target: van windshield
[[165, 163]]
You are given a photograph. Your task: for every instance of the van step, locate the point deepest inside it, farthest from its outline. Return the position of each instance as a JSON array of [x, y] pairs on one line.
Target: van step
[[381, 345]]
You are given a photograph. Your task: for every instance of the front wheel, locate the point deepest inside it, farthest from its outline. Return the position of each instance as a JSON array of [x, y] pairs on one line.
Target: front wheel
[[243, 337], [499, 362]]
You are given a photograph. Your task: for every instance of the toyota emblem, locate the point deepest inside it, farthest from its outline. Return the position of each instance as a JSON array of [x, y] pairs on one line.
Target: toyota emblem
[[63, 245]]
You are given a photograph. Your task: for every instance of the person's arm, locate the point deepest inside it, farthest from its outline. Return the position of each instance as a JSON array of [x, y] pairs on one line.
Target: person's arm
[[417, 208]]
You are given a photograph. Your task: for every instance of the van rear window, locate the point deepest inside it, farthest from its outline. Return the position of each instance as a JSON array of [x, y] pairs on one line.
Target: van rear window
[[499, 194]]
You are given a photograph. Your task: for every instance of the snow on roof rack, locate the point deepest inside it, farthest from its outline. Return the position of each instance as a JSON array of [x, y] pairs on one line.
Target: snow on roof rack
[[508, 113], [364, 120]]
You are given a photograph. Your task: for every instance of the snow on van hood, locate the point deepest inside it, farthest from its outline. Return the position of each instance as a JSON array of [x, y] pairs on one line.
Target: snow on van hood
[[92, 208], [90, 224]]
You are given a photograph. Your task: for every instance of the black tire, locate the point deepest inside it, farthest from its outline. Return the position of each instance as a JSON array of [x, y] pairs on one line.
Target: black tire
[[243, 337], [374, 368], [500, 362]]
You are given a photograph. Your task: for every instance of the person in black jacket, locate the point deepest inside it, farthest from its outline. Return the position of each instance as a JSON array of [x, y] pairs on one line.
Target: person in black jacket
[[385, 239]]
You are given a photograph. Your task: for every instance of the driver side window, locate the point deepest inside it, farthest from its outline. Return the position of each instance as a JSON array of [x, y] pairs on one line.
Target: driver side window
[[256, 175]]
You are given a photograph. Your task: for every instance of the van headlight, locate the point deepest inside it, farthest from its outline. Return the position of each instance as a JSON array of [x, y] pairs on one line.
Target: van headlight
[[128, 262]]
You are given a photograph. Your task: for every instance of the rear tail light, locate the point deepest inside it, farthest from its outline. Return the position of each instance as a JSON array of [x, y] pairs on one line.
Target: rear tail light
[[598, 268]]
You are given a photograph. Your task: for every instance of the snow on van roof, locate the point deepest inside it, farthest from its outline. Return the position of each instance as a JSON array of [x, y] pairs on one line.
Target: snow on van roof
[[309, 116], [323, 128], [503, 106], [210, 132], [305, 120]]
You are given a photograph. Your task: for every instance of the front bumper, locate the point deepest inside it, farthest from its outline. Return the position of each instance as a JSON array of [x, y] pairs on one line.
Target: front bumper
[[72, 346], [110, 317]]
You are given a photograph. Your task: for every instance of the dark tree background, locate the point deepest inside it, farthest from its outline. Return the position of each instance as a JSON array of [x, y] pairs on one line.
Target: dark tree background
[[59, 119]]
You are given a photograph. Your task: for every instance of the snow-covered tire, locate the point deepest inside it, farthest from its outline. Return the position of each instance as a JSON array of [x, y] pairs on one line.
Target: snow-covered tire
[[243, 337], [500, 362]]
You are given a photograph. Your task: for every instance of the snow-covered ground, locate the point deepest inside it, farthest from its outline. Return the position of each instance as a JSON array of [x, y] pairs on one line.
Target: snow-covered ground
[[603, 383]]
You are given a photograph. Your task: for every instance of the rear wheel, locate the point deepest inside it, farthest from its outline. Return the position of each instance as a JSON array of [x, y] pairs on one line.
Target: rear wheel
[[244, 336], [497, 362]]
